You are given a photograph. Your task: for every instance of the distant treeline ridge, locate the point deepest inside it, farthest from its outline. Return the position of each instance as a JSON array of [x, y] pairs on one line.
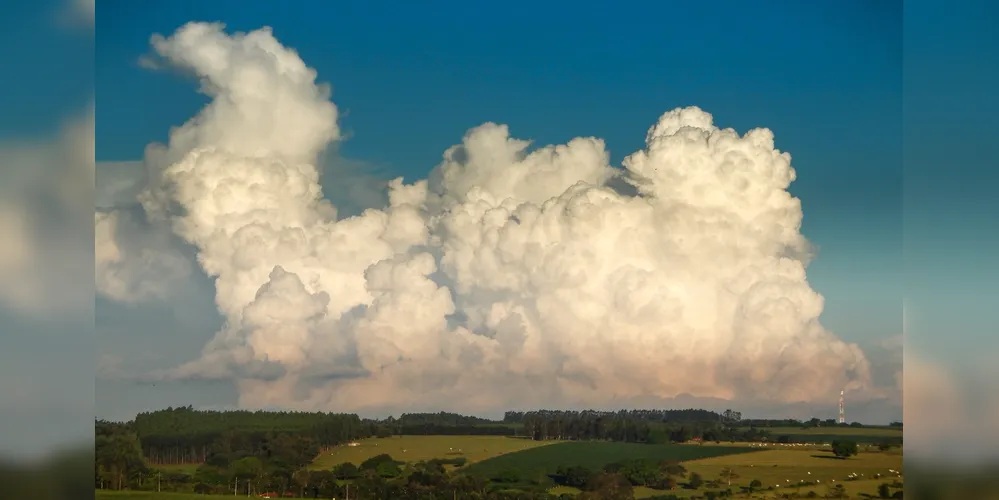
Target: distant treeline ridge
[[185, 435]]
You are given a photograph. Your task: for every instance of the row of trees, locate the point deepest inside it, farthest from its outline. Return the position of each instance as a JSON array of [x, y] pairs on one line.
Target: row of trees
[[680, 416], [234, 457], [635, 427], [808, 424], [442, 419], [184, 435]]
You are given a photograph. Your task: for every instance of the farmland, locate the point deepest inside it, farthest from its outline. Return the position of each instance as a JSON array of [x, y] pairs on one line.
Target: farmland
[[868, 435], [594, 455], [783, 467], [878, 431], [417, 448], [786, 468]]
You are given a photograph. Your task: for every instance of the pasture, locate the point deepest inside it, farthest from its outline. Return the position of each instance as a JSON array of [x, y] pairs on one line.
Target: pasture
[[791, 466], [863, 435], [855, 490], [836, 431], [546, 460], [417, 448], [784, 469]]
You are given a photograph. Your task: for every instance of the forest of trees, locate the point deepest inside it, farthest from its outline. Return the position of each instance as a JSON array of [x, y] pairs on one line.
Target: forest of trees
[[688, 415], [635, 426], [184, 435]]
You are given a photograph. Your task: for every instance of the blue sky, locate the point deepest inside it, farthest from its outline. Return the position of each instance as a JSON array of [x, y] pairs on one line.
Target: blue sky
[[826, 77], [50, 75], [950, 228]]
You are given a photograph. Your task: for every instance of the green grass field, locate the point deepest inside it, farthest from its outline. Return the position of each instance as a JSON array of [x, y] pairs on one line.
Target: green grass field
[[836, 431], [855, 490], [787, 467], [594, 455], [862, 435], [773, 467], [417, 448]]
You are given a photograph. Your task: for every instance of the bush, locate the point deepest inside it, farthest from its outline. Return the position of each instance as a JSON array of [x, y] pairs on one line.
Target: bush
[[507, 476], [843, 448], [576, 476], [695, 481], [373, 462], [388, 469], [345, 470]]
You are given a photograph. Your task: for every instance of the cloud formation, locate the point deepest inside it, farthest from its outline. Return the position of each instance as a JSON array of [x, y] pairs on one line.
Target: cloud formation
[[951, 415], [512, 277], [44, 202], [134, 262]]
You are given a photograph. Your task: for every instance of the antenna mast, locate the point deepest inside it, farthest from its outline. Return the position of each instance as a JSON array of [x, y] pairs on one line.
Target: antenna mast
[[842, 408]]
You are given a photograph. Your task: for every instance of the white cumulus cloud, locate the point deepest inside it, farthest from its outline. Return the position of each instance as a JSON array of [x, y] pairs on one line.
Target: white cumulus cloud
[[511, 276]]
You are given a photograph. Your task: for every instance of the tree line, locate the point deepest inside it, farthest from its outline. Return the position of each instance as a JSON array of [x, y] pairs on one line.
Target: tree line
[[687, 415], [637, 426], [184, 435]]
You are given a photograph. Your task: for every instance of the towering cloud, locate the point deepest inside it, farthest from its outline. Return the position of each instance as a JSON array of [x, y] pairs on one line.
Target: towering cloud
[[511, 277]]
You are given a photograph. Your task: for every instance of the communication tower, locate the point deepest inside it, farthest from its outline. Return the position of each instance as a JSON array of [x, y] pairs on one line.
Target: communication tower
[[842, 408]]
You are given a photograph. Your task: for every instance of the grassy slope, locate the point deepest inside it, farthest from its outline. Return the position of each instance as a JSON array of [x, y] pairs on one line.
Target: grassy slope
[[773, 467], [836, 431], [868, 435], [416, 448], [593, 454]]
